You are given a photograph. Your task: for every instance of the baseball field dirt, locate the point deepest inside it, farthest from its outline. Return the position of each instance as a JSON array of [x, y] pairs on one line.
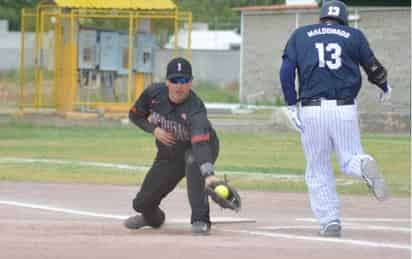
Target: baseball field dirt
[[40, 221]]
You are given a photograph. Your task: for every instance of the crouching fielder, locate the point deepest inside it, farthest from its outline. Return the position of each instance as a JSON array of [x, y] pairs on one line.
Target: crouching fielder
[[327, 56], [187, 146]]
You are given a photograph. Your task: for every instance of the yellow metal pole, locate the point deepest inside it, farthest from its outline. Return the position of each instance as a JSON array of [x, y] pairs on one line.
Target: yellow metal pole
[[57, 58], [139, 77], [41, 61], [130, 57], [189, 37], [176, 45], [22, 61], [72, 63], [37, 57]]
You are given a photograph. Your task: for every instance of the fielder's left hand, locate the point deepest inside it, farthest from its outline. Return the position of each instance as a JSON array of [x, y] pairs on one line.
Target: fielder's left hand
[[233, 201]]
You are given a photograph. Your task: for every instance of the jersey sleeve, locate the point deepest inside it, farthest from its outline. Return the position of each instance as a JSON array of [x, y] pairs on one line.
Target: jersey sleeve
[[287, 71], [366, 55], [290, 52], [140, 111], [200, 139]]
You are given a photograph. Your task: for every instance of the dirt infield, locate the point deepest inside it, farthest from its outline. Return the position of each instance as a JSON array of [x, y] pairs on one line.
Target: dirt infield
[[41, 221]]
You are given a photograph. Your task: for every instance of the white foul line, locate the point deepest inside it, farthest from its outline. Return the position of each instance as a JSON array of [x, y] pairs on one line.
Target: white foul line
[[345, 226], [361, 220], [142, 168], [62, 210], [289, 177], [216, 220], [323, 239], [256, 233], [71, 162]]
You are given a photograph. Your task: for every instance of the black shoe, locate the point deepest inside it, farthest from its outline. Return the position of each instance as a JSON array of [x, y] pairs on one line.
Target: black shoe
[[332, 229], [135, 222], [200, 228]]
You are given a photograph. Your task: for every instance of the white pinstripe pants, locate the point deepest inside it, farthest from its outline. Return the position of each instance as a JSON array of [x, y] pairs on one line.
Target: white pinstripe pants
[[329, 128]]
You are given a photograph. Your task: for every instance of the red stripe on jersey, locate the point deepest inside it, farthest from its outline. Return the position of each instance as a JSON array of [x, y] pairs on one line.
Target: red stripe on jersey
[[200, 138], [135, 111]]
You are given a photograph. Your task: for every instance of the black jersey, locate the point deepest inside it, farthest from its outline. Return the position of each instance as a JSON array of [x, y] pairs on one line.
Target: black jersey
[[187, 121]]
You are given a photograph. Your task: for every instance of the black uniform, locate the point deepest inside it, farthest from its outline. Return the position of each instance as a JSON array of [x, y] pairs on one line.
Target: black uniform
[[193, 155]]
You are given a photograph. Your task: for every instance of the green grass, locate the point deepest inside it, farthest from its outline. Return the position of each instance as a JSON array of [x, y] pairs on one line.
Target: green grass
[[13, 75], [212, 93], [271, 154]]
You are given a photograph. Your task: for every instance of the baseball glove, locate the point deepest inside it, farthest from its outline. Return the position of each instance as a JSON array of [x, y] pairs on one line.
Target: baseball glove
[[233, 200]]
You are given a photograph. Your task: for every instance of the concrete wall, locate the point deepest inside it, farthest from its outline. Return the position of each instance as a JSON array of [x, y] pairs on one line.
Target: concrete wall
[[220, 67], [266, 33]]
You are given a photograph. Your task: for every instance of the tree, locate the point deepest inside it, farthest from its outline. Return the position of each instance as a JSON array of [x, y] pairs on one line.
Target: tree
[[11, 10]]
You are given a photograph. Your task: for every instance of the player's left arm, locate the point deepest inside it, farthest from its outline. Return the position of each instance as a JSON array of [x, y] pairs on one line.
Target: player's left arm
[[377, 73], [202, 151], [200, 139]]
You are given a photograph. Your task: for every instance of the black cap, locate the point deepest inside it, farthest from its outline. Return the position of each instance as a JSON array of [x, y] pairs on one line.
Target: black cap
[[179, 67]]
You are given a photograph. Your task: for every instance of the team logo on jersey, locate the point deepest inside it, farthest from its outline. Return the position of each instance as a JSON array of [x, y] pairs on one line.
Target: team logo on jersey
[[184, 116], [155, 101], [179, 67]]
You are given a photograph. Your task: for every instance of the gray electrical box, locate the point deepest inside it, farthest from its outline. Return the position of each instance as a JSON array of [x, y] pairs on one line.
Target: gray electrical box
[[87, 49], [145, 44], [109, 51]]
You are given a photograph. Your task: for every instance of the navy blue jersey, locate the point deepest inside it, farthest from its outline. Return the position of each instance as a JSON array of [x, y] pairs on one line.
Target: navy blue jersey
[[327, 57]]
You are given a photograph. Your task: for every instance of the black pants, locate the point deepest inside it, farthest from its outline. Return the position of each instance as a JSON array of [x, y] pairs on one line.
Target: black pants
[[169, 167]]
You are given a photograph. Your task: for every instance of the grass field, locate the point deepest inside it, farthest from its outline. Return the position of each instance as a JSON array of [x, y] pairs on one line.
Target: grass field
[[269, 154]]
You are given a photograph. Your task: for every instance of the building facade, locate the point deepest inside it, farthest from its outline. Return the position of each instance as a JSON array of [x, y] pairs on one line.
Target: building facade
[[265, 32]]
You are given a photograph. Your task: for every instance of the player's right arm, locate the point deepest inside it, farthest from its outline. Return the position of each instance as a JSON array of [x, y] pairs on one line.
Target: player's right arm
[[287, 80], [141, 115], [140, 111], [288, 71]]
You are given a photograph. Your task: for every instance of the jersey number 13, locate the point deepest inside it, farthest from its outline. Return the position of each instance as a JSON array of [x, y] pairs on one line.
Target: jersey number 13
[[335, 61]]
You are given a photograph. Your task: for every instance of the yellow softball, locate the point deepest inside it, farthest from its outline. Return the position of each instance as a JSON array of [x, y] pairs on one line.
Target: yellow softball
[[222, 191]]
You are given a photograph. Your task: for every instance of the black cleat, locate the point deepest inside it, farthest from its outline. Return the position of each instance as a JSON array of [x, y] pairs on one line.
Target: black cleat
[[135, 222]]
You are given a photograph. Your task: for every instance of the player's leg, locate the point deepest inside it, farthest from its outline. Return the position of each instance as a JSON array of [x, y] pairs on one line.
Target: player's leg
[[161, 179], [198, 198], [319, 175], [195, 189], [350, 154]]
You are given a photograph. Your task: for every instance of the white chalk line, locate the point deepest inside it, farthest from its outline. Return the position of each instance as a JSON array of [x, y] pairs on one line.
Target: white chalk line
[[399, 220], [217, 220], [72, 162], [325, 240], [141, 168], [345, 226]]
